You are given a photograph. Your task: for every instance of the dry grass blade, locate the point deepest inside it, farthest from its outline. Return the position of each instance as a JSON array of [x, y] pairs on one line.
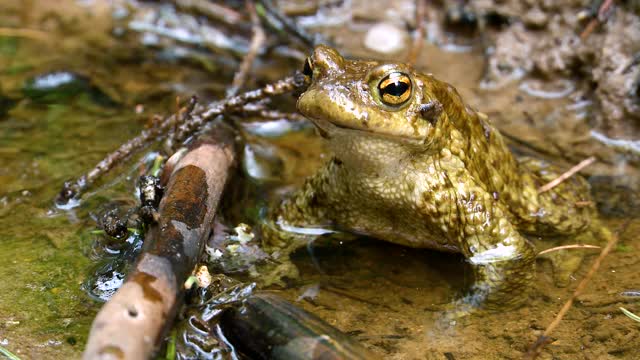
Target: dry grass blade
[[631, 315], [563, 247], [555, 182]]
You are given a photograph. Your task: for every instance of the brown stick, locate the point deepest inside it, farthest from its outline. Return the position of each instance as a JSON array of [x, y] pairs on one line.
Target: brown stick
[[569, 173], [418, 36], [130, 325], [600, 17]]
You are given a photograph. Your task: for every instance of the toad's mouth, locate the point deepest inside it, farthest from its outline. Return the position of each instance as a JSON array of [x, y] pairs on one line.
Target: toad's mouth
[[328, 129]]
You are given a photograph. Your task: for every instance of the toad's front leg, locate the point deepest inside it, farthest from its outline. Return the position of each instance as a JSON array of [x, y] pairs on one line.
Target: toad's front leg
[[503, 260], [294, 223], [503, 275]]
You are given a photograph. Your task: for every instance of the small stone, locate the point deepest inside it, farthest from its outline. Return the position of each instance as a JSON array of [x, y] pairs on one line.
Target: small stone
[[385, 38], [203, 276]]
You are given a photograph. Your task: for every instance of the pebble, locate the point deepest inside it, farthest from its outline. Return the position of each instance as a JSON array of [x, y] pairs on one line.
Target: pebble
[[536, 18], [385, 38]]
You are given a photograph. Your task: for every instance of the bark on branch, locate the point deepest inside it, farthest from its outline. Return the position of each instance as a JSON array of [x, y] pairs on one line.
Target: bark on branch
[[131, 324]]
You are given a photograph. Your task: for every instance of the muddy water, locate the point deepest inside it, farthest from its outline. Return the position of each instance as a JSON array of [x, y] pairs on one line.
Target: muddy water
[[381, 294]]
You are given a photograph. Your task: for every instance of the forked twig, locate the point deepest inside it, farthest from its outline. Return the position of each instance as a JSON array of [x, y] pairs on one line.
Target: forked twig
[[188, 120]]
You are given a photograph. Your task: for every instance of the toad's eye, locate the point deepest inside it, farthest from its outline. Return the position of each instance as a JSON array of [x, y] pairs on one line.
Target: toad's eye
[[307, 70], [395, 89]]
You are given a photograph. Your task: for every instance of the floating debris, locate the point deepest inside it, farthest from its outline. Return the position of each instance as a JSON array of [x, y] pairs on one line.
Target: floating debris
[[535, 88], [627, 146]]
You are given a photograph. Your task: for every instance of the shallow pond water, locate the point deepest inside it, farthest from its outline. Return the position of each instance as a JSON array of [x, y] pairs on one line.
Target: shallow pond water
[[381, 294]]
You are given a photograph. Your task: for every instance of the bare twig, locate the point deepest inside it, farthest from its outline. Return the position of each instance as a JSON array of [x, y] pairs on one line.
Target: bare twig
[[569, 173], [25, 33], [188, 120], [418, 36], [236, 103], [257, 41], [603, 13], [535, 349], [563, 247], [130, 325]]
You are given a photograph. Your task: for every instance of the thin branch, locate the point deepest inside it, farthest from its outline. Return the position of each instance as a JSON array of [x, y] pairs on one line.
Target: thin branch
[[574, 246], [257, 41], [603, 13], [569, 173], [188, 120], [418, 36], [235, 104]]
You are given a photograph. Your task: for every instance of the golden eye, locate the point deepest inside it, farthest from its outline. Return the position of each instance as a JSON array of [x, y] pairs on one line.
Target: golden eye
[[395, 89], [307, 70]]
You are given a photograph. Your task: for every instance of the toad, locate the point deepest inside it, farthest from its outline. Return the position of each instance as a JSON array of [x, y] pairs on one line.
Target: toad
[[414, 165]]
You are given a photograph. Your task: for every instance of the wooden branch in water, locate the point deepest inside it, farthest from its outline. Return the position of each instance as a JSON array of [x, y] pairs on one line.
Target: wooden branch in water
[[267, 327], [188, 120], [130, 325], [569, 173]]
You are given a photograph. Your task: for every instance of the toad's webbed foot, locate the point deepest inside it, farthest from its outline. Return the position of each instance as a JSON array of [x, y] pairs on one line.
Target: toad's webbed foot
[[503, 278], [279, 243]]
